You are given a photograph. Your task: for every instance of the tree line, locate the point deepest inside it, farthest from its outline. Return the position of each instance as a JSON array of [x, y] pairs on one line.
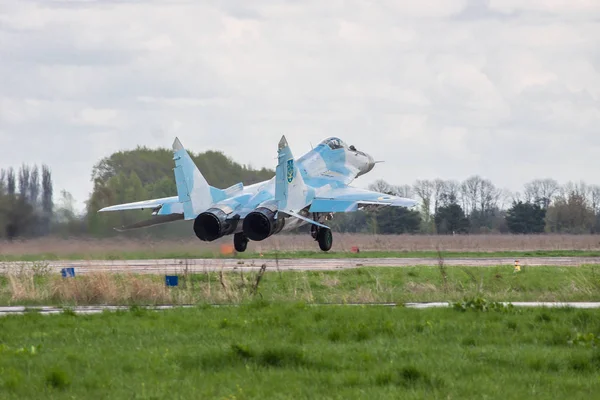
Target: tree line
[[144, 173], [26, 201], [474, 205]]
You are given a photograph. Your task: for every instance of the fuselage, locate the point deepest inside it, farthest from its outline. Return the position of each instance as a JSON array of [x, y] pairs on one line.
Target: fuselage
[[331, 164]]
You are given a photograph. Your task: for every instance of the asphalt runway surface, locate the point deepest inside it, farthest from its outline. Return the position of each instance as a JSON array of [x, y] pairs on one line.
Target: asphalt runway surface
[[49, 310], [298, 264]]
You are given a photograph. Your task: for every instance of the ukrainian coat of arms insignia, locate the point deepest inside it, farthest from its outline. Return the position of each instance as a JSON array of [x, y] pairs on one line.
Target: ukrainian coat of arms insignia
[[290, 171]]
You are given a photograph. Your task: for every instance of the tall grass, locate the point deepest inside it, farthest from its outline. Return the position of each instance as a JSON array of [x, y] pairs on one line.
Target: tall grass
[[96, 288], [363, 285]]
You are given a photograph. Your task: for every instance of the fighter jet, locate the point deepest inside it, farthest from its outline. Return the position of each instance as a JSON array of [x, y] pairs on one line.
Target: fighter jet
[[307, 190]]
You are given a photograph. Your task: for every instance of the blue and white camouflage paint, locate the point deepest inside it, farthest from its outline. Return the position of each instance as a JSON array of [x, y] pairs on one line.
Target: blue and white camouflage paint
[[307, 190]]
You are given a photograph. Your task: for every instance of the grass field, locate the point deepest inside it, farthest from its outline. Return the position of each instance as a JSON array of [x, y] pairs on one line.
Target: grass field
[[294, 245], [260, 350], [363, 285]]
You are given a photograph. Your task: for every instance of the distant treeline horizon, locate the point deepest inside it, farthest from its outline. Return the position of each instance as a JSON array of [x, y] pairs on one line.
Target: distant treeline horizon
[[474, 205]]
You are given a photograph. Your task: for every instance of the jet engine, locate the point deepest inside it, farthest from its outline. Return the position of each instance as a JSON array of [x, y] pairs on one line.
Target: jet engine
[[261, 223], [213, 223]]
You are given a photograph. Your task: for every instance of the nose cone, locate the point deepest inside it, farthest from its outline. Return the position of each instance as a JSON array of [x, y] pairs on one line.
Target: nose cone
[[367, 166], [370, 163]]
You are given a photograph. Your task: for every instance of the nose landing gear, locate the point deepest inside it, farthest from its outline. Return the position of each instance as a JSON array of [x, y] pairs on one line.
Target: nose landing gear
[[240, 242]]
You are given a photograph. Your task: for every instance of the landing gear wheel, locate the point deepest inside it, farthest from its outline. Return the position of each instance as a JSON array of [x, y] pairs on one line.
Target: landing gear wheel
[[240, 242], [325, 238], [313, 231]]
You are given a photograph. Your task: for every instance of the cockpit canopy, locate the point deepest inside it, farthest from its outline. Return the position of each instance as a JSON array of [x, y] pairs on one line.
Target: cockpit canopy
[[335, 143]]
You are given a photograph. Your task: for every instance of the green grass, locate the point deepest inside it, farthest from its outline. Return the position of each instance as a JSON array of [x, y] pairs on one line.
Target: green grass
[[425, 284], [295, 351], [162, 254], [361, 285]]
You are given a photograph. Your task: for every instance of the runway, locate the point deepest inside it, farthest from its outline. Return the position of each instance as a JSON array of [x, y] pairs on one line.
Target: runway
[[50, 310], [176, 266]]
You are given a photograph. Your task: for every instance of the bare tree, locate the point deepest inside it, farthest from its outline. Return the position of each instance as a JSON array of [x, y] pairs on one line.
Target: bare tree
[[470, 192], [488, 196], [452, 190], [575, 188], [403, 191], [549, 189], [532, 191], [594, 195], [439, 190], [506, 198], [541, 191], [380, 186]]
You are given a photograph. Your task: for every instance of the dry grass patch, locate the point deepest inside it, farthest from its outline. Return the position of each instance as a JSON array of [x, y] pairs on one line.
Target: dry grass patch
[[94, 288], [419, 287], [330, 281], [92, 248], [105, 288], [22, 287], [363, 295]]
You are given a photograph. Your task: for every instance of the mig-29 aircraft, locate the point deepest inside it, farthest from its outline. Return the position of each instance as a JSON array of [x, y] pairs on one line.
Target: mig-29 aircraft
[[307, 190]]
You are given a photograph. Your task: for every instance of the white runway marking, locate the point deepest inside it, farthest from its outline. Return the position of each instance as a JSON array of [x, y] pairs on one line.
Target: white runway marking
[[175, 266], [49, 310]]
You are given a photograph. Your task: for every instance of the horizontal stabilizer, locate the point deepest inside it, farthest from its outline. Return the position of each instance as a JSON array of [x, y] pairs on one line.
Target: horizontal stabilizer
[[160, 219], [142, 205], [232, 190]]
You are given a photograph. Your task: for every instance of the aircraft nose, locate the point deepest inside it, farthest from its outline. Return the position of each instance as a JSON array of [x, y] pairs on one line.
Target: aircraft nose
[[370, 163]]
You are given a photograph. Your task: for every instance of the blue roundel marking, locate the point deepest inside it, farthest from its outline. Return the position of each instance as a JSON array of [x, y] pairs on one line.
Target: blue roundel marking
[[290, 171]]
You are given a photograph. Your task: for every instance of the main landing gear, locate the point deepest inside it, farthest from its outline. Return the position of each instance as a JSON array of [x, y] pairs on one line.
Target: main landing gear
[[323, 236], [240, 242]]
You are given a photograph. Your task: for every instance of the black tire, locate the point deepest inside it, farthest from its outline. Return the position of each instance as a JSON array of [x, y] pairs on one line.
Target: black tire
[[240, 242], [313, 231], [325, 238]]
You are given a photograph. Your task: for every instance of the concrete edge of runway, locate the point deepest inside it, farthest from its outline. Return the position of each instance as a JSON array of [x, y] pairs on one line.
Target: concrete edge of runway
[[177, 266], [53, 310]]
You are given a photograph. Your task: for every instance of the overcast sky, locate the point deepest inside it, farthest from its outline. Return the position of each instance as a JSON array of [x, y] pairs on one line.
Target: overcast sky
[[507, 89]]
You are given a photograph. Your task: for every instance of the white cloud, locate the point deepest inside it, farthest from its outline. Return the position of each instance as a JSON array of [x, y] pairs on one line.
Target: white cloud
[[551, 6], [436, 88], [96, 117]]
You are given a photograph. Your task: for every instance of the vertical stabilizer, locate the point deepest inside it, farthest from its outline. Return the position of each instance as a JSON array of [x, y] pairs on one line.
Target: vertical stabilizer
[[290, 189], [192, 188]]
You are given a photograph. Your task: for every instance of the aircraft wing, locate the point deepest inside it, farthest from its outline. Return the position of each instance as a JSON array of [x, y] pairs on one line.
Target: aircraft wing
[[171, 203], [167, 209], [350, 199], [194, 195]]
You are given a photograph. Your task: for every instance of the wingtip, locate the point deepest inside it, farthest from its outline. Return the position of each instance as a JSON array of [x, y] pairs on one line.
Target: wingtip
[[177, 145]]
